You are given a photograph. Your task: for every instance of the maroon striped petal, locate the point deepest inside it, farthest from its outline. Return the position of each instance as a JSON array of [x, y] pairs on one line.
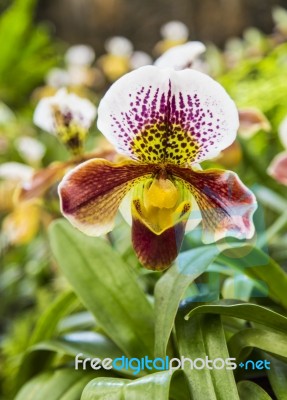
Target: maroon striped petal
[[43, 179], [90, 194], [156, 252], [226, 204]]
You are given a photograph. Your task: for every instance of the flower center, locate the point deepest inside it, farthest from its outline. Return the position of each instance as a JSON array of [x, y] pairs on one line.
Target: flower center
[[162, 194]]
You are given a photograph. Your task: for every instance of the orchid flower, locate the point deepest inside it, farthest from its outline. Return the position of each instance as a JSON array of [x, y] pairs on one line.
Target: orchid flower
[[116, 62], [140, 59], [30, 149], [67, 116], [57, 78], [181, 56], [166, 122], [22, 222], [79, 71], [79, 60], [278, 167], [252, 120], [175, 30], [80, 55], [173, 33]]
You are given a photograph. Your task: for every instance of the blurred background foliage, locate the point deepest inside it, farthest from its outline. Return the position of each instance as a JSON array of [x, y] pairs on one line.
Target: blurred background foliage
[[92, 21], [23, 47]]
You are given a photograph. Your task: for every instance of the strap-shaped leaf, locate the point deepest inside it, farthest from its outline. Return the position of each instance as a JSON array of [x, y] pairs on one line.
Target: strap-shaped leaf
[[246, 311], [171, 287], [89, 344], [40, 356], [106, 286], [47, 324], [65, 384], [200, 337], [250, 391], [83, 320], [34, 362], [261, 267], [151, 387], [269, 341], [277, 377]]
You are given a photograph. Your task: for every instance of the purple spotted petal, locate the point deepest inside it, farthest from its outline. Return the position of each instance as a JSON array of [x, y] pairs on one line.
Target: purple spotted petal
[[160, 115]]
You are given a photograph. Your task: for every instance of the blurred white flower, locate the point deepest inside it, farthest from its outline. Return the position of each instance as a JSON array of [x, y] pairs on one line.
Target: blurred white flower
[[67, 116], [58, 77], [30, 149], [70, 107], [80, 55], [174, 30], [17, 172], [119, 46], [139, 59], [78, 75], [181, 56]]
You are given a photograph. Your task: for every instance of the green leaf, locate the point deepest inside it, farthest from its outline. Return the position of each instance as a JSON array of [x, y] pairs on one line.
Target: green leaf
[[277, 377], [172, 286], [268, 341], [106, 286], [80, 321], [270, 199], [25, 46], [200, 337], [151, 387], [179, 389], [239, 287], [65, 384], [90, 344], [250, 391], [34, 362], [48, 322], [258, 266], [246, 311]]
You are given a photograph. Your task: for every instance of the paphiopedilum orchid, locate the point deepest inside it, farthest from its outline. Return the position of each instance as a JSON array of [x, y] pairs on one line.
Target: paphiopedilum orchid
[[30, 149], [181, 56], [166, 122], [173, 34], [67, 116], [116, 62], [252, 120], [22, 221], [140, 59]]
